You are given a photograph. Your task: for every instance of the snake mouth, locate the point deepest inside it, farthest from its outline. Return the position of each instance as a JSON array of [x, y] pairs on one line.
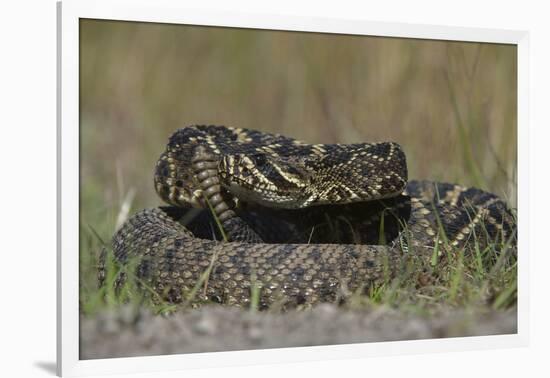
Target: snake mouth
[[262, 195]]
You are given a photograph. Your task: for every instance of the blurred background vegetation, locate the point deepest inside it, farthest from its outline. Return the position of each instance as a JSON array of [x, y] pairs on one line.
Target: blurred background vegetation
[[451, 105]]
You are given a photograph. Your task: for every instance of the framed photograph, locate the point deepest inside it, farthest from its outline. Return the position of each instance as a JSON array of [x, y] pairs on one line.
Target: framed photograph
[[282, 189]]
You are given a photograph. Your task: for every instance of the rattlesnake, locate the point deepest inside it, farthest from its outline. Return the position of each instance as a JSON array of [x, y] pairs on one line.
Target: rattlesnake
[[303, 223]]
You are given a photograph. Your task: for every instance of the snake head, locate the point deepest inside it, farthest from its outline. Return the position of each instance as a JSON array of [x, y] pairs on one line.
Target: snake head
[[266, 179], [321, 174]]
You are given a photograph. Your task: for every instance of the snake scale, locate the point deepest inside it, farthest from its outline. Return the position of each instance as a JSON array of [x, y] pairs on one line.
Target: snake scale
[[303, 223]]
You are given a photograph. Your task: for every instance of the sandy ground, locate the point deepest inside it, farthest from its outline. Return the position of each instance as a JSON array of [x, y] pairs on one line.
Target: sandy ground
[[127, 332]]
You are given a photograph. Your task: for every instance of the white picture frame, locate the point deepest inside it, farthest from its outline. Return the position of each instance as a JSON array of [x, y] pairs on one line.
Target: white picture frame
[[169, 11]]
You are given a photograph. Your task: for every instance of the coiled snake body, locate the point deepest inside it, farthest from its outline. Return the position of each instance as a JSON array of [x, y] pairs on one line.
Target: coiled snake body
[[303, 223]]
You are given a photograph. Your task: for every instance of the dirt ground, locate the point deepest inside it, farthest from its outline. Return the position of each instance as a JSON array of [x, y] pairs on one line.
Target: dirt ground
[[128, 332]]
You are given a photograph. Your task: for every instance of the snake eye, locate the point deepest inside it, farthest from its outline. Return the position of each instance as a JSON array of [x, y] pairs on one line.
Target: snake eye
[[259, 160]]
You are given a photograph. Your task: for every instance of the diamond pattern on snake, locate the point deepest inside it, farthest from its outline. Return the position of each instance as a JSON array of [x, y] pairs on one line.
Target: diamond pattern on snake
[[301, 223]]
